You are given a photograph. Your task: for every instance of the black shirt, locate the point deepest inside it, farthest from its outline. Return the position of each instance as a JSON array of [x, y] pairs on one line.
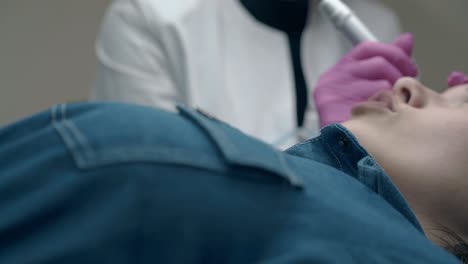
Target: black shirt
[[289, 16]]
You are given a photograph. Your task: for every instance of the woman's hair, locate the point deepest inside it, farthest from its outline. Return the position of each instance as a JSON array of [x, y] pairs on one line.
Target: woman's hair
[[460, 251], [454, 244]]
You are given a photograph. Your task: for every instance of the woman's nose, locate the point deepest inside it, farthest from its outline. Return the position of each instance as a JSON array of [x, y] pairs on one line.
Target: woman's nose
[[411, 92]]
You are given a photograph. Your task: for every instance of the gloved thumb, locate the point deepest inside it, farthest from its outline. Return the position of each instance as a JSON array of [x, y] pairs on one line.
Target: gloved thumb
[[457, 78], [405, 42]]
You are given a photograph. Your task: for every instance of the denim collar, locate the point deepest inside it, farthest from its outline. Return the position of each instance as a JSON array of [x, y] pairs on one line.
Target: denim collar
[[337, 147]]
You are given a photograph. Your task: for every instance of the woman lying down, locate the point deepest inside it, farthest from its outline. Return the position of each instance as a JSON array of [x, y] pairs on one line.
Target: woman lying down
[[118, 183]]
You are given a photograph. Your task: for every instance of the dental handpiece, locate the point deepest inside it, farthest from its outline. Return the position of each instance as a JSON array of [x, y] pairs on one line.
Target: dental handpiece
[[346, 21]]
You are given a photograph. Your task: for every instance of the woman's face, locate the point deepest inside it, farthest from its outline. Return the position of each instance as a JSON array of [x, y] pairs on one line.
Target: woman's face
[[420, 138]]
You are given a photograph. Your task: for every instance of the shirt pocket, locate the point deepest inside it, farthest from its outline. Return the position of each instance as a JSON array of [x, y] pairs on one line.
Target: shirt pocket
[[102, 134], [239, 149]]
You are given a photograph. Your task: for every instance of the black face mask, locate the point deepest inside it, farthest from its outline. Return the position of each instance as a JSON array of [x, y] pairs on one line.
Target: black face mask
[[286, 15]]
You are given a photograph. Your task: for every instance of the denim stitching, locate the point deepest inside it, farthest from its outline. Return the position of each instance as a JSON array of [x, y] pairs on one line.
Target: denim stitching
[[229, 150], [79, 137], [313, 140], [68, 139], [302, 143], [76, 143], [86, 157], [333, 153], [158, 156]]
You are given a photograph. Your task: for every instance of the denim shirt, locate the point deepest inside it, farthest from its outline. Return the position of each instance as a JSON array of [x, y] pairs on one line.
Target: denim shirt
[[118, 183], [338, 148]]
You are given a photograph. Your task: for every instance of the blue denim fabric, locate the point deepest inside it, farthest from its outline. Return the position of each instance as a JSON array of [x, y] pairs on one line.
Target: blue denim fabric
[[116, 183], [337, 147]]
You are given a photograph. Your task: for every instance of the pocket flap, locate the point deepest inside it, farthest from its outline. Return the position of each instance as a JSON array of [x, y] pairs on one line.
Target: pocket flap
[[240, 149]]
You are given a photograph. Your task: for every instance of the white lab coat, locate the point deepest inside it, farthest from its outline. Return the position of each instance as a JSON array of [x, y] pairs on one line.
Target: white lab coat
[[212, 54]]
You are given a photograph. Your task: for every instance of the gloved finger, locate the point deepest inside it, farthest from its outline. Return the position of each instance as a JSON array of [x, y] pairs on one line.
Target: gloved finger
[[368, 88], [406, 42], [390, 52], [457, 78], [376, 68]]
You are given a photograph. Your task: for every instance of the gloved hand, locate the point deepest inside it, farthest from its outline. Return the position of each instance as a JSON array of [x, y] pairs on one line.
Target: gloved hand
[[368, 68], [457, 78]]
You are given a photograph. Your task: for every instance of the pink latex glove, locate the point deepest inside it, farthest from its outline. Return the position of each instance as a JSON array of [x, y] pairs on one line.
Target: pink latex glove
[[368, 68], [457, 78]]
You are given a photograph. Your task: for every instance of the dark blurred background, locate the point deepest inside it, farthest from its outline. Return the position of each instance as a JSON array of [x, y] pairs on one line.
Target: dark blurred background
[[46, 48]]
